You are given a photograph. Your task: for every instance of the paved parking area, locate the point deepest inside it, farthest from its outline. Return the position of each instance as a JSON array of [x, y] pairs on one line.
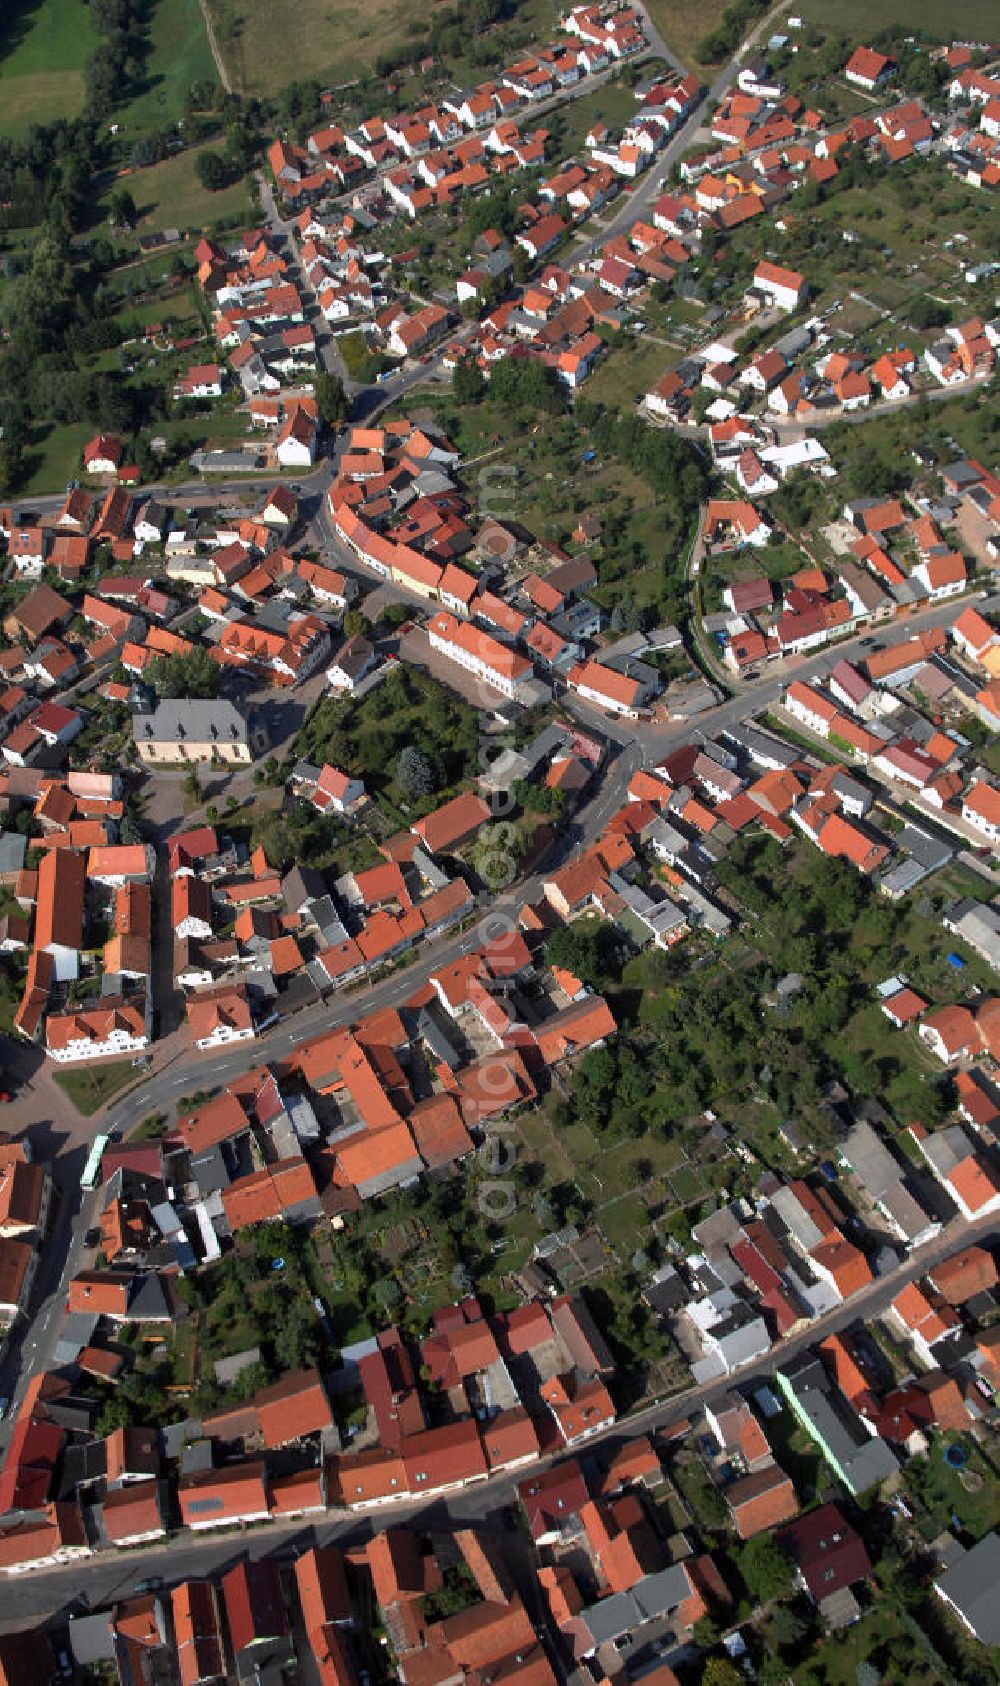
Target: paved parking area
[[416, 648]]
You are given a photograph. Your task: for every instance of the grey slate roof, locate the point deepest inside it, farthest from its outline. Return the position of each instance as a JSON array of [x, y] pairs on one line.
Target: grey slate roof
[[971, 1586], [863, 1460], [199, 720]]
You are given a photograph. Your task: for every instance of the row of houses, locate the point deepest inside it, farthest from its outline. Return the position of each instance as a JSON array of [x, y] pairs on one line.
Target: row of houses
[[333, 159]]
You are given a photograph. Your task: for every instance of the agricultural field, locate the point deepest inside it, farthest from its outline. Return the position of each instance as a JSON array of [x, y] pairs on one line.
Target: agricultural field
[[44, 46], [266, 44], [862, 20]]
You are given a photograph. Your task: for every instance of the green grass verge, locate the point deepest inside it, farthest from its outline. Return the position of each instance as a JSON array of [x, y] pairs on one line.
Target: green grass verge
[[91, 1087]]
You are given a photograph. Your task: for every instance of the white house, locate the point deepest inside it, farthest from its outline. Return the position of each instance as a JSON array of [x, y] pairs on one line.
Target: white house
[[868, 69], [616, 693], [18, 1264], [811, 707], [783, 288], [102, 455], [336, 792], [191, 907], [45, 1538], [942, 576], [111, 1026], [202, 380], [26, 548], [295, 446], [219, 1017], [981, 809], [478, 653], [351, 664]]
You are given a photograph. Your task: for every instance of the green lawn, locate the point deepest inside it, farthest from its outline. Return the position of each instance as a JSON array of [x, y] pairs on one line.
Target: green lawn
[[91, 1087], [878, 1638], [940, 1492], [627, 373], [54, 457], [43, 49], [614, 104]]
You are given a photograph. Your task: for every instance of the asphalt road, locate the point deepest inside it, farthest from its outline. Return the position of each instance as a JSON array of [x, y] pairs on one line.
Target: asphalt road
[[650, 185], [52, 1593]]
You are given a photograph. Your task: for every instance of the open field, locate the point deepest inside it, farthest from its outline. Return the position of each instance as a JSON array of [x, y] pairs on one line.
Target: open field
[[169, 195], [864, 18], [266, 44], [43, 49], [628, 372], [178, 55], [53, 456], [683, 23], [269, 43]]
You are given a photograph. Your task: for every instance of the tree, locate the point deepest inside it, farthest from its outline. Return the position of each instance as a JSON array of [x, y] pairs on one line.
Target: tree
[[626, 616], [355, 623], [497, 853], [787, 1627], [593, 950], [122, 211], [213, 170], [467, 383], [191, 675], [296, 1342], [192, 785], [414, 774], [766, 1570], [526, 381], [387, 1292], [332, 401], [705, 1632], [926, 312], [719, 1671], [129, 831]]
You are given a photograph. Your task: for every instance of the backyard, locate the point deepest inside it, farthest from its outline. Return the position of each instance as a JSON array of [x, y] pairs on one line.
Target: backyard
[[366, 738]]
